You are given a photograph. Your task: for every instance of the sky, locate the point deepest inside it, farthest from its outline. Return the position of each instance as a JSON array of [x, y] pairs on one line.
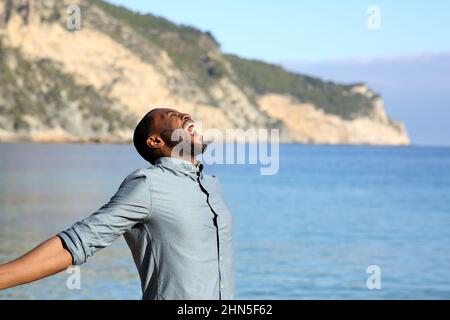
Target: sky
[[415, 89], [331, 39]]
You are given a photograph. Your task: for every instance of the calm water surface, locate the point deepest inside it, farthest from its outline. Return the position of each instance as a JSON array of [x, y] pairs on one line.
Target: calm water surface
[[309, 232]]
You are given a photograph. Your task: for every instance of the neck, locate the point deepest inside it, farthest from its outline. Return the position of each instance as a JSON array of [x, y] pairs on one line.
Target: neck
[[191, 159], [179, 154]]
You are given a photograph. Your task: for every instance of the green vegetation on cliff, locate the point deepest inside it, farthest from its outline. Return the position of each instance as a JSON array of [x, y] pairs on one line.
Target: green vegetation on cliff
[[191, 50], [269, 78], [41, 90]]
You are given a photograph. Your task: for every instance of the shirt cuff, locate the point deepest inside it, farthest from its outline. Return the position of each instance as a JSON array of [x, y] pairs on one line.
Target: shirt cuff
[[71, 246]]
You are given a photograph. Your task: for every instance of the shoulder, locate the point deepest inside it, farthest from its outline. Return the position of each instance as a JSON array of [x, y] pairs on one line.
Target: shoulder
[[144, 176], [142, 173], [137, 177], [136, 186]]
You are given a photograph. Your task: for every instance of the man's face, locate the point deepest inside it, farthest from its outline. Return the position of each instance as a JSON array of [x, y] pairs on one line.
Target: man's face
[[174, 127]]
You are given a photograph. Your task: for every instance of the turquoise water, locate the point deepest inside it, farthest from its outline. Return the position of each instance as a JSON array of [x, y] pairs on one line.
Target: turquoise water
[[309, 232]]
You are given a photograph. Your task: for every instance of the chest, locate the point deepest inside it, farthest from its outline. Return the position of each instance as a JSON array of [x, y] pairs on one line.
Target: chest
[[187, 208]]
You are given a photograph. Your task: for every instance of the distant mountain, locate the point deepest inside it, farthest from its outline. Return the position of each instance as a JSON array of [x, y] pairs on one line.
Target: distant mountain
[[93, 84], [416, 87]]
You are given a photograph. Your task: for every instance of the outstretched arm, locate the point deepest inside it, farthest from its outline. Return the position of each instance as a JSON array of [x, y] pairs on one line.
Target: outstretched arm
[[48, 258], [130, 205]]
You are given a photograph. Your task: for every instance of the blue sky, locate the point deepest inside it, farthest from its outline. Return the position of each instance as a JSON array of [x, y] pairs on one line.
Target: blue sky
[[330, 39], [415, 89], [311, 30]]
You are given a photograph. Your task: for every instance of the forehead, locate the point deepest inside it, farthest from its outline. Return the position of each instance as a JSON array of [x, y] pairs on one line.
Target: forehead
[[161, 112]]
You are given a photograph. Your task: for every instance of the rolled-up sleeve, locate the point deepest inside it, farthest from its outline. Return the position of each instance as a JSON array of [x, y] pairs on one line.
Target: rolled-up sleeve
[[130, 205]]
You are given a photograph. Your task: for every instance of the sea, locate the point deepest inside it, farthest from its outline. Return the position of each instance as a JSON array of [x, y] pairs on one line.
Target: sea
[[335, 222]]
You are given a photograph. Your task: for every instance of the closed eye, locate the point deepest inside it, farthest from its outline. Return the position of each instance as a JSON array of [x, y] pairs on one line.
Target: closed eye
[[175, 114]]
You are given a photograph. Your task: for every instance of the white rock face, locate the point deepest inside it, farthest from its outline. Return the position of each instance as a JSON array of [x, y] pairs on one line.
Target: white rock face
[[95, 59], [308, 124]]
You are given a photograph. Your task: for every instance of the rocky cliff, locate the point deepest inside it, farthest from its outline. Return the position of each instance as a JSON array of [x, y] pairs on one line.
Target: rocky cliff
[[93, 84]]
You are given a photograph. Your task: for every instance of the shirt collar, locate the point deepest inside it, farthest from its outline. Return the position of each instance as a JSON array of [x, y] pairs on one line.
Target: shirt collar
[[180, 165]]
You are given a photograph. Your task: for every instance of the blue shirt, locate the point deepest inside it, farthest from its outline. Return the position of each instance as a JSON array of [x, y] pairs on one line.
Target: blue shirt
[[177, 225]]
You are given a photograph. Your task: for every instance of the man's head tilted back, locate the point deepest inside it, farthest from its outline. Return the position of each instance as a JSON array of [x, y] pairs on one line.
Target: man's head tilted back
[[161, 129]]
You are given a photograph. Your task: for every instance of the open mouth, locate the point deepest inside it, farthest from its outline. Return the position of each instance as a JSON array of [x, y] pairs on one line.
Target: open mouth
[[189, 126]]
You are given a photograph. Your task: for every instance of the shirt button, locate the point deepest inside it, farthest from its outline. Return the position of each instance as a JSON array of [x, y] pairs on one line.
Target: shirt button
[[221, 286], [220, 257]]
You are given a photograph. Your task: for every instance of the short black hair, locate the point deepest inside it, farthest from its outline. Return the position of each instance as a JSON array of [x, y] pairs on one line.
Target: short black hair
[[143, 130]]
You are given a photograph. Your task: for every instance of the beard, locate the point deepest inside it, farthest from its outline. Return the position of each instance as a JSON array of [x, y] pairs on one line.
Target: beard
[[182, 143]]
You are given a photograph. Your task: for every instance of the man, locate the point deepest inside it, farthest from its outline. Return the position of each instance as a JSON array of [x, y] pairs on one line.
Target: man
[[171, 214]]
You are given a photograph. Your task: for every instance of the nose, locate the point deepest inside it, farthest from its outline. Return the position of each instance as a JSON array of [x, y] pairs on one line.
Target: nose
[[186, 116]]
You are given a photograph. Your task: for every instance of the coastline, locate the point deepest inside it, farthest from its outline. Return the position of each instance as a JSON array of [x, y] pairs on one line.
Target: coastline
[[111, 141]]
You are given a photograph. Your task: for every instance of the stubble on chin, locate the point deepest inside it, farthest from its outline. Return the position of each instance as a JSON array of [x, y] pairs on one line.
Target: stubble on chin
[[181, 143]]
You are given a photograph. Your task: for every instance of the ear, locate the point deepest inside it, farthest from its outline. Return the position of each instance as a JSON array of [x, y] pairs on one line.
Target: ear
[[155, 142]]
